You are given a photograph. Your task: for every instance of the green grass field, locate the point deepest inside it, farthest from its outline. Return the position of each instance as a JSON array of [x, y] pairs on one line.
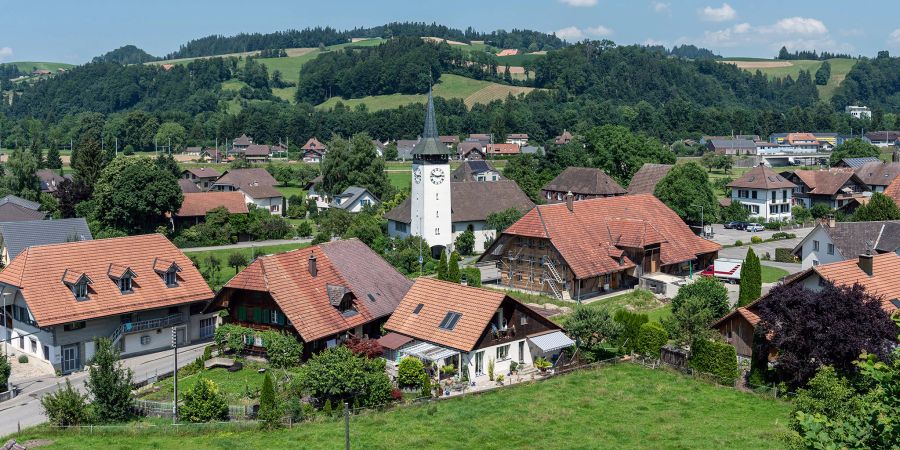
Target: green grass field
[[400, 180], [235, 385], [639, 301], [839, 69], [28, 66], [226, 272], [622, 406], [518, 60], [772, 274]]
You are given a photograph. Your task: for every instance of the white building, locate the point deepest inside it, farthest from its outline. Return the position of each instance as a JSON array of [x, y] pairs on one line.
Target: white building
[[764, 193], [258, 187], [858, 112], [354, 199], [133, 290], [832, 241]]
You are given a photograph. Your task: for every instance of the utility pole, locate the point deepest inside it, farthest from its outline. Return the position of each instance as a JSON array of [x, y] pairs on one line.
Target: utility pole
[[346, 426], [175, 375]]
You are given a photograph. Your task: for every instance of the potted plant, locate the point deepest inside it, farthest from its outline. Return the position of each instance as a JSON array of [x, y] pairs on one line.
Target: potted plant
[[500, 380], [542, 364], [448, 371], [513, 367]]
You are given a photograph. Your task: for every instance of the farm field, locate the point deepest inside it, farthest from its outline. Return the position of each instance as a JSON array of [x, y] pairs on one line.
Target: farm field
[[780, 69], [28, 66], [621, 406], [450, 86]]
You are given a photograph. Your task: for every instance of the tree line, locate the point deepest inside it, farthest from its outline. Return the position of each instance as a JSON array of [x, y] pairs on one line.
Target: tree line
[[784, 54], [871, 82]]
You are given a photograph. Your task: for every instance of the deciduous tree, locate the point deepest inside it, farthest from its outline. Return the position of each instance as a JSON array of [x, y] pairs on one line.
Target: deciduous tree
[[686, 190], [109, 384]]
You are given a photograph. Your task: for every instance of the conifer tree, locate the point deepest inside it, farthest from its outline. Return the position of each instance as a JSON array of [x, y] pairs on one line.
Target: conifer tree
[[751, 279], [453, 268], [269, 410], [442, 266]]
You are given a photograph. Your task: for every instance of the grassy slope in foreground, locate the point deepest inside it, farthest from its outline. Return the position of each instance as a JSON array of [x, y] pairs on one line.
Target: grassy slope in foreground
[[624, 406]]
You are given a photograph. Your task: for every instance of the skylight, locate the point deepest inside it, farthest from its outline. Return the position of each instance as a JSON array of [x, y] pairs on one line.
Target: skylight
[[450, 320], [371, 297], [418, 308]]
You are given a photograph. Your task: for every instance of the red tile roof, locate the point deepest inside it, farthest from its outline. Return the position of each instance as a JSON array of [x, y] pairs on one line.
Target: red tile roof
[[304, 298], [199, 203], [826, 182], [41, 273], [502, 149], [314, 144], [884, 282], [589, 236], [893, 190]]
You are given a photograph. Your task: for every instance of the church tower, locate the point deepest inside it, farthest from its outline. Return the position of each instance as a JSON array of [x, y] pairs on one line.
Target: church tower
[[430, 201]]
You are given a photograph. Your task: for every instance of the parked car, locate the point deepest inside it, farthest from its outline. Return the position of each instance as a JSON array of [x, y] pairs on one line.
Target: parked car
[[751, 227], [730, 225], [739, 225]]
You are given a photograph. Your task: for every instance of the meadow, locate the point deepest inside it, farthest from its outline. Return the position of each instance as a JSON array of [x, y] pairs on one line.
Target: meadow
[[780, 69]]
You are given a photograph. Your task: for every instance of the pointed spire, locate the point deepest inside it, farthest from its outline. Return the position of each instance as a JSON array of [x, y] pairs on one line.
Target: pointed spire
[[430, 121]]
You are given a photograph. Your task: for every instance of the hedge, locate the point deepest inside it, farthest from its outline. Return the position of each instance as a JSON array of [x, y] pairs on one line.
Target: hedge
[[472, 276], [715, 358], [651, 337], [631, 326], [785, 255]]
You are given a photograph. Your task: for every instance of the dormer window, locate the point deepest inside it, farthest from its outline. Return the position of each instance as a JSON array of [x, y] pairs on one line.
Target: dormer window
[[123, 276], [80, 290], [171, 278], [78, 282], [125, 285], [167, 270]]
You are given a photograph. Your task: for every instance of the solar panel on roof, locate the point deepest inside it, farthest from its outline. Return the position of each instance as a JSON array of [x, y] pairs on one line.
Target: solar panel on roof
[[450, 320]]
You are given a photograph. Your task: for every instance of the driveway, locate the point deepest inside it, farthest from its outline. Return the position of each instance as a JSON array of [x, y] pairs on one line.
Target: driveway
[[25, 409], [724, 236]]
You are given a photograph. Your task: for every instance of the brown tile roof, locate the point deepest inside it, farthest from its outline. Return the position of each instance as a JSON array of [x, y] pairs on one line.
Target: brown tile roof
[[242, 141], [826, 182], [647, 177], [257, 150], [203, 172], [261, 191], [886, 136], [394, 341], [349, 264], [480, 136], [464, 148], [761, 177], [884, 282], [878, 173], [474, 201], [502, 149], [247, 177], [476, 305], [449, 139], [198, 204], [39, 272], [563, 138], [893, 190], [187, 186], [517, 136], [586, 181], [49, 179], [314, 144], [589, 236]]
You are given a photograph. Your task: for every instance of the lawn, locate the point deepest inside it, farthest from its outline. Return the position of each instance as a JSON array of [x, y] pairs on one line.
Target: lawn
[[401, 180], [638, 300], [28, 66], [772, 274], [623, 406], [288, 191], [226, 272], [235, 385]]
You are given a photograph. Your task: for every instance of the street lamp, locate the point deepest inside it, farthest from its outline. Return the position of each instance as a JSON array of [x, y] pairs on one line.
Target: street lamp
[[702, 228]]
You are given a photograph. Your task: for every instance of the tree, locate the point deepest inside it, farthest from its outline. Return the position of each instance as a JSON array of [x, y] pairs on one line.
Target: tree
[[237, 260], [354, 164], [690, 321], [204, 402], [269, 409], [880, 207], [283, 349], [88, 162], [502, 220], [410, 373], [823, 73], [338, 375], [370, 348], [735, 212], [109, 384], [465, 243], [54, 161], [66, 407], [832, 326], [620, 153], [167, 163], [751, 279], [631, 325], [711, 293], [801, 214], [650, 339], [24, 181], [686, 190], [591, 327], [390, 152], [442, 267], [134, 194], [820, 210], [453, 268], [5, 370], [853, 148], [171, 135], [366, 227]]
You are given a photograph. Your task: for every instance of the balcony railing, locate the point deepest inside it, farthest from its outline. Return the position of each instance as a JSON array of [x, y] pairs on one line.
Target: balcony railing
[[149, 324]]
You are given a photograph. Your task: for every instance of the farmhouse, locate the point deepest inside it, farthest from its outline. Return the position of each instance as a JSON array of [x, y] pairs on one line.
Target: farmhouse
[[241, 143], [585, 248], [257, 185], [202, 177], [257, 153], [15, 237], [195, 206], [14, 209], [129, 289], [878, 175], [833, 187], [322, 293], [501, 149], [471, 150], [469, 328], [354, 199], [583, 183], [764, 193], [313, 151], [831, 241], [878, 274], [882, 138], [563, 138], [519, 139], [644, 181]]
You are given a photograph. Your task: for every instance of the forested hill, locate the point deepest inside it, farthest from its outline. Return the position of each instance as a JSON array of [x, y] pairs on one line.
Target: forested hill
[[128, 54], [872, 82], [314, 37]]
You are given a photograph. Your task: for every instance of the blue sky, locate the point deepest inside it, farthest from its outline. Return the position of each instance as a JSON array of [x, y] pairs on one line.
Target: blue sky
[[76, 31]]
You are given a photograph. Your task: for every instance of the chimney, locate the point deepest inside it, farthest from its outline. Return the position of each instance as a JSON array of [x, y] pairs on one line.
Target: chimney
[[313, 270], [570, 201], [865, 263], [831, 221]]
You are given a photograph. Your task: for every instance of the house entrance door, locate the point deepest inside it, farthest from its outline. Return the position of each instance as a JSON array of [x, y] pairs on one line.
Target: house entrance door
[[521, 351], [70, 360], [479, 363]]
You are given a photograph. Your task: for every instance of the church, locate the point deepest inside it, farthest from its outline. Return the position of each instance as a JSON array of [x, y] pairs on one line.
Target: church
[[439, 209]]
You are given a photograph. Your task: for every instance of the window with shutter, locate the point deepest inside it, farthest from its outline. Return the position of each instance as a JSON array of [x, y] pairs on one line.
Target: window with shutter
[[242, 313], [257, 315]]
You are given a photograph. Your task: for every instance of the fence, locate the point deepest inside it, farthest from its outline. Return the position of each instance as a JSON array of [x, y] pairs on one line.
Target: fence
[[164, 409]]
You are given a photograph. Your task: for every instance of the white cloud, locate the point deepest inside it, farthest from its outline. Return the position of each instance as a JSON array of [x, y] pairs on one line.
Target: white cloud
[[570, 34], [800, 25], [894, 37], [5, 52], [651, 41], [720, 14], [661, 7], [576, 34], [599, 30], [852, 32], [801, 33], [579, 3]]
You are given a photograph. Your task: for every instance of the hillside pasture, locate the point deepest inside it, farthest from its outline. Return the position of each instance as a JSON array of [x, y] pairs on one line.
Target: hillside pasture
[[28, 66], [772, 68]]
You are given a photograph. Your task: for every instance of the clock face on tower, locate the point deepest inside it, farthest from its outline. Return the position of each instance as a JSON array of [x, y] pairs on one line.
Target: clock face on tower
[[437, 176], [417, 175]]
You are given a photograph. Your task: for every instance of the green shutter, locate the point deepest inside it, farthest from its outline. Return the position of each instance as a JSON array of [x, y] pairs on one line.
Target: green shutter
[[279, 316], [242, 313], [257, 315]]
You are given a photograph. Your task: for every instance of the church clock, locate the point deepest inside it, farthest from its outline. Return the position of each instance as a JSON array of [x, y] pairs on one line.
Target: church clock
[[417, 175], [437, 176]]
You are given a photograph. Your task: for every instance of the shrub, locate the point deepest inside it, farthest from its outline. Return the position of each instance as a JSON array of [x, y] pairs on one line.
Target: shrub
[[785, 255], [491, 369], [631, 326], [712, 292], [339, 374], [472, 276], [65, 407], [283, 349], [370, 348], [304, 229], [541, 363], [327, 410], [714, 358], [23, 359], [782, 235], [411, 373], [321, 237], [738, 243], [233, 337], [426, 387], [453, 273], [465, 243], [755, 240], [651, 336], [204, 403], [773, 225], [109, 384], [5, 370], [269, 409], [207, 353]]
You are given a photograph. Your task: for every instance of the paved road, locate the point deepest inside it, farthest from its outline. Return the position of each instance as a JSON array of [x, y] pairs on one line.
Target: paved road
[[247, 245], [25, 409], [727, 237]]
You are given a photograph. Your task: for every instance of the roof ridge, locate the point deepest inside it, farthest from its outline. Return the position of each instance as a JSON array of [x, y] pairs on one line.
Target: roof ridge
[[543, 224], [136, 236]]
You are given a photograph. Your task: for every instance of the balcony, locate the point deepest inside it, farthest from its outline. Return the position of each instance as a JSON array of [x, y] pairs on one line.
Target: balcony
[[149, 324]]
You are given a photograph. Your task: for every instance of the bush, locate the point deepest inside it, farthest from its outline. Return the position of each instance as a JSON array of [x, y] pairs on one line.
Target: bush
[[282, 349], [320, 238], [269, 409], [711, 292], [411, 373], [465, 243], [233, 337], [714, 358], [339, 375], [23, 359], [738, 243], [773, 225], [109, 383], [631, 326], [5, 370], [785, 255], [472, 276], [304, 229], [782, 235], [651, 336], [204, 403], [65, 407], [207, 353], [755, 240]]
